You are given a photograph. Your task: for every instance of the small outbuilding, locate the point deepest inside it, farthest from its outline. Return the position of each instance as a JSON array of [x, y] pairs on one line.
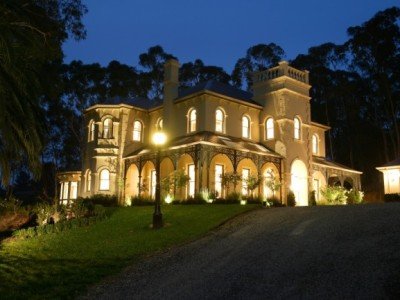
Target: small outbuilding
[[391, 176]]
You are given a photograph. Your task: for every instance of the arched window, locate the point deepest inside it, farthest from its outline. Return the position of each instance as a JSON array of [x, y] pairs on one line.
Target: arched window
[[219, 120], [107, 128], [137, 131], [192, 120], [104, 180], [88, 181], [297, 128], [91, 131], [246, 127], [160, 124], [269, 127], [315, 144]]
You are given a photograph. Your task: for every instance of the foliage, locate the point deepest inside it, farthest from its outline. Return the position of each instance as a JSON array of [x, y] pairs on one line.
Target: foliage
[[82, 208], [273, 184], [44, 212], [392, 198], [176, 180], [141, 201], [230, 178], [252, 183], [11, 204], [197, 199], [291, 199], [255, 199], [103, 199], [231, 198], [334, 195], [312, 198], [274, 202], [354, 196]]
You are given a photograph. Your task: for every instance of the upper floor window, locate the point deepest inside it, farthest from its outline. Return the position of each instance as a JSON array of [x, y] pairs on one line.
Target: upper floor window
[[137, 131], [104, 180], [297, 128], [107, 128], [269, 125], [219, 120], [91, 131], [192, 120], [315, 144], [246, 127], [160, 124]]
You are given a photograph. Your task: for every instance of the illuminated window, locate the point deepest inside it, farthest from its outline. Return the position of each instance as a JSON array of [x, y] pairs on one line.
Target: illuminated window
[[65, 190], [107, 129], [91, 131], [153, 183], [191, 186], [219, 120], [245, 177], [246, 127], [137, 131], [219, 171], [160, 124], [315, 144], [61, 190], [297, 126], [269, 125], [192, 120], [74, 190], [269, 177], [88, 181], [104, 180]]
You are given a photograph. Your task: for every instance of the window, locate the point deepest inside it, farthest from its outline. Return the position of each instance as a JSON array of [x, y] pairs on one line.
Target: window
[[74, 190], [104, 180], [219, 120], [315, 144], [65, 190], [88, 181], [219, 171], [153, 183], [245, 177], [246, 127], [269, 178], [137, 131], [297, 126], [192, 120], [107, 129], [61, 190], [270, 132], [160, 124], [91, 131], [192, 175]]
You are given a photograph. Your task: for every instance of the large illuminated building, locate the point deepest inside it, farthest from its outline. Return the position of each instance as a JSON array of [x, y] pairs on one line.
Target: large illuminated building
[[212, 129]]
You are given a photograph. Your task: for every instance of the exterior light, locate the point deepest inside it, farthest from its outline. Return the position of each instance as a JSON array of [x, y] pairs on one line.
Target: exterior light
[[159, 138], [168, 199], [243, 202]]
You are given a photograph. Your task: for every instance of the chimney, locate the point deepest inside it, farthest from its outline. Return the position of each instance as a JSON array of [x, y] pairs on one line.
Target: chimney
[[171, 84]]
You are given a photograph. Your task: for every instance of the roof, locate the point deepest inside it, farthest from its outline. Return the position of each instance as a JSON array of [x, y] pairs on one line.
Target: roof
[[333, 165], [137, 102], [220, 88], [206, 137], [391, 164]]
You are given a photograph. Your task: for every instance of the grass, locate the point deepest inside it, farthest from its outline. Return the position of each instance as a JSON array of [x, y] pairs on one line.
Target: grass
[[62, 265]]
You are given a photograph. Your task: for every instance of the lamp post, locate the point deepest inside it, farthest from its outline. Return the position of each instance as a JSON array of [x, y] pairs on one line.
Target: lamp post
[[159, 139]]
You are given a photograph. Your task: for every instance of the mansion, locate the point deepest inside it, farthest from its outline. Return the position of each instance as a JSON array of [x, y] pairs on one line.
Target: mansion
[[212, 129]]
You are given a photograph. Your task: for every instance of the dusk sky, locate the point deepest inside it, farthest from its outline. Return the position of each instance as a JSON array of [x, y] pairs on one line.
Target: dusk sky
[[216, 31]]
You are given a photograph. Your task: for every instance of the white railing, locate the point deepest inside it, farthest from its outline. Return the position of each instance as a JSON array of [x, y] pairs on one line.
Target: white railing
[[282, 70]]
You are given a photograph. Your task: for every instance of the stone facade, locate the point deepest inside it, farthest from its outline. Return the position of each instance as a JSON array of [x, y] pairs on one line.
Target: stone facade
[[212, 129]]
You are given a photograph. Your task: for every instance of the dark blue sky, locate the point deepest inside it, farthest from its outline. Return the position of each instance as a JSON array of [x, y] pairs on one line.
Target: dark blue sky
[[216, 31]]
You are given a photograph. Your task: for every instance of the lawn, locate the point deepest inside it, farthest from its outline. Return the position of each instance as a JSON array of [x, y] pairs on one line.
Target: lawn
[[62, 265]]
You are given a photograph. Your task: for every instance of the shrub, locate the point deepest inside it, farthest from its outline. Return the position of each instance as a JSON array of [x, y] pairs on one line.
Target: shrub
[[11, 204], [354, 196], [291, 199], [334, 195], [255, 200], [141, 201], [312, 199], [274, 202], [105, 200], [82, 207], [44, 213], [197, 199], [231, 198], [99, 211], [392, 198]]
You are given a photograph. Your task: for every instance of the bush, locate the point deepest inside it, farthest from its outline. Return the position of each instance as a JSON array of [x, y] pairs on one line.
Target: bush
[[274, 202], [392, 198], [197, 199], [11, 204], [44, 213], [255, 200], [334, 195], [231, 198], [82, 207], [312, 199], [105, 200], [354, 196], [141, 201], [291, 199]]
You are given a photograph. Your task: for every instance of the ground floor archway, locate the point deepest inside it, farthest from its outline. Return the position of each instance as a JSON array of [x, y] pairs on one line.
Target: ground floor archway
[[299, 182]]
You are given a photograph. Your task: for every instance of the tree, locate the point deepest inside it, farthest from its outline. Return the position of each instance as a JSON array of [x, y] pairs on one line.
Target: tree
[[31, 35], [259, 57]]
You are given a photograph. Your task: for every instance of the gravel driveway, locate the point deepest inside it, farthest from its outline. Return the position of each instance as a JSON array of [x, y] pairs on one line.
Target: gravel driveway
[[310, 252]]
